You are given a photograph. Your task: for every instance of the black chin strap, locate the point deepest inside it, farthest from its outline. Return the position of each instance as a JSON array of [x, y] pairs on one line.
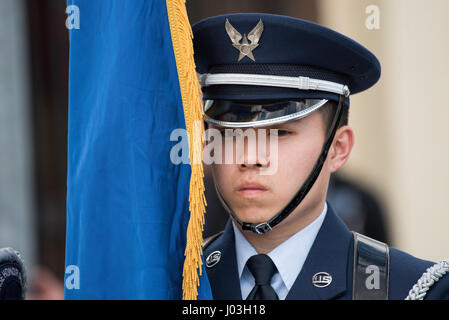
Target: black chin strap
[[264, 227]]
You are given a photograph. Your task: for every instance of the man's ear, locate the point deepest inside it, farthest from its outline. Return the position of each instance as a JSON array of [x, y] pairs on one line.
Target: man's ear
[[341, 148]]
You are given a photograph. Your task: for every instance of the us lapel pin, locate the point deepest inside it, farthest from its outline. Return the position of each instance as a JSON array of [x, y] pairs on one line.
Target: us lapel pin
[[213, 259], [321, 279]]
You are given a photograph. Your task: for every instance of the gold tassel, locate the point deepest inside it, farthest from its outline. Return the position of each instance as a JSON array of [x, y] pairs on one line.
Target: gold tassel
[[181, 34]]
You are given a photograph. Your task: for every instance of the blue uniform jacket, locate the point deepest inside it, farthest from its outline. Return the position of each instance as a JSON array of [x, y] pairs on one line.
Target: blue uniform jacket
[[332, 252]]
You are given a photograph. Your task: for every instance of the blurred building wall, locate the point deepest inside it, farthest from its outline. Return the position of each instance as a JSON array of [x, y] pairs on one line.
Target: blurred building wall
[[16, 185], [401, 125], [199, 9]]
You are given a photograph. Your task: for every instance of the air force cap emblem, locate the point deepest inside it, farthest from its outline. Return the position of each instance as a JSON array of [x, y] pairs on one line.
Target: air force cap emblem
[[245, 48]]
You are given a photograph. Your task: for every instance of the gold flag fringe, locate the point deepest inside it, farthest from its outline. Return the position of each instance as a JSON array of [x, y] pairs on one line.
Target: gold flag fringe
[[181, 34]]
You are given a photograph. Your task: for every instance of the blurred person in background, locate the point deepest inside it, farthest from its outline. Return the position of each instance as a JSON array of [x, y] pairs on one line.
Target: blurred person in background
[[43, 284]]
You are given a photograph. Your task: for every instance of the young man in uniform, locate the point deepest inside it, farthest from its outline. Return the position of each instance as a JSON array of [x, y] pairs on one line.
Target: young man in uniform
[[261, 72]]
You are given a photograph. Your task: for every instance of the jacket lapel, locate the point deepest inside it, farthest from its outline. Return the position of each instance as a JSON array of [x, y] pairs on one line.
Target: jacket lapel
[[223, 276], [329, 253]]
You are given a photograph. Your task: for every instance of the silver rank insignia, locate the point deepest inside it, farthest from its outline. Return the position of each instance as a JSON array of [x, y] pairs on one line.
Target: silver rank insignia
[[245, 48]]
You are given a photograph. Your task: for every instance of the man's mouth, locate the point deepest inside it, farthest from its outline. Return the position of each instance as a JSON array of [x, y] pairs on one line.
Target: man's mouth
[[251, 189]]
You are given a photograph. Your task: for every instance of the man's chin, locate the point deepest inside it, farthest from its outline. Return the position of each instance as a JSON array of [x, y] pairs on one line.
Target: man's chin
[[252, 217]]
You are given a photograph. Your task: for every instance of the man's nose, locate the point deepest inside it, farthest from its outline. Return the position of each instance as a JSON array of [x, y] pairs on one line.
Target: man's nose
[[250, 159]]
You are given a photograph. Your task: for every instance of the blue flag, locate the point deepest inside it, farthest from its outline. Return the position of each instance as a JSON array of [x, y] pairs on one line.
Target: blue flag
[[127, 203]]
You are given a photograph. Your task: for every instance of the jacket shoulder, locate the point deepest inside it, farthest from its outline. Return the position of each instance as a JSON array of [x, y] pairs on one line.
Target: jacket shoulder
[[406, 270], [208, 241]]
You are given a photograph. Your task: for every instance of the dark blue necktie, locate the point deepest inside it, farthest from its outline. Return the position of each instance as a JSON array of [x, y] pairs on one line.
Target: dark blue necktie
[[263, 269]]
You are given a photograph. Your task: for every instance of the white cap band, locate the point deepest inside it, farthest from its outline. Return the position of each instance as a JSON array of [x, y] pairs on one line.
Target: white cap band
[[301, 83]]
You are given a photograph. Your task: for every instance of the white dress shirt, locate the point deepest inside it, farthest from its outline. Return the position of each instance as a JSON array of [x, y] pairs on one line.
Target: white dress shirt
[[288, 257]]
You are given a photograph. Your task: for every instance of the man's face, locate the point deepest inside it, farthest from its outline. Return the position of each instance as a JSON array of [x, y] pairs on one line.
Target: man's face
[[255, 197]]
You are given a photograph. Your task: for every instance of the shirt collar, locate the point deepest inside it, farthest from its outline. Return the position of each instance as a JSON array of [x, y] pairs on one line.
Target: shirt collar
[[289, 256]]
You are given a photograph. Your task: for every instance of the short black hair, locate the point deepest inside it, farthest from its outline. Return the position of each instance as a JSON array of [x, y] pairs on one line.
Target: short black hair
[[328, 113]]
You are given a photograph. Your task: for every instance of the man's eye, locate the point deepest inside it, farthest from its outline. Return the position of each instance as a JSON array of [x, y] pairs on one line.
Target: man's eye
[[281, 133], [228, 133]]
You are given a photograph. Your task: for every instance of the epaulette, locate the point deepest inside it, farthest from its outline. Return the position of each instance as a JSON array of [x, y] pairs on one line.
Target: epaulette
[[371, 269]]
